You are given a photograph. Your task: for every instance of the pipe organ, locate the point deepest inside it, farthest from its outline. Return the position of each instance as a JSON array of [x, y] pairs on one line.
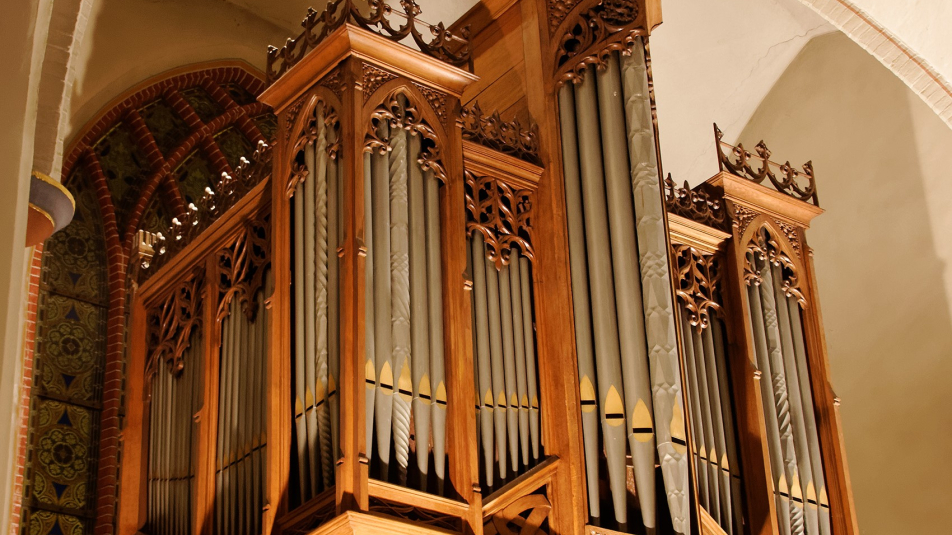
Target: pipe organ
[[407, 314]]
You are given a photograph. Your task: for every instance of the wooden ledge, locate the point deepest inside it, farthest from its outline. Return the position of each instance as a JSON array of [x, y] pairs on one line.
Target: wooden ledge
[[685, 231], [486, 161], [350, 40], [538, 476], [765, 200], [356, 523]]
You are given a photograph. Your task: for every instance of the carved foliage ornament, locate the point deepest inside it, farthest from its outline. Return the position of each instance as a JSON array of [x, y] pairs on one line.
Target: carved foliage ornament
[[696, 205], [217, 200], [502, 214], [171, 323], [241, 267], [320, 114], [524, 516], [764, 247], [510, 138], [398, 111], [609, 26], [444, 45], [699, 276], [784, 177]]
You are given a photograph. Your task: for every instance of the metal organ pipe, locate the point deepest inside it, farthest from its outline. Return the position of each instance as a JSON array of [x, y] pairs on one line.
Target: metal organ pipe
[[796, 403], [370, 368], [497, 365], [718, 416], [515, 283], [697, 423], [718, 492], [321, 322], [333, 292], [419, 314], [400, 298], [300, 425], [509, 362], [310, 305], [482, 357], [781, 400], [770, 413], [601, 282], [731, 465], [818, 494], [628, 296], [434, 272], [580, 297], [383, 399], [531, 378]]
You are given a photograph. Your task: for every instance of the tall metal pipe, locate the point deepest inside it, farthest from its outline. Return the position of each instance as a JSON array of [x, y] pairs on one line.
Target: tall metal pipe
[[660, 331], [732, 464], [419, 312], [483, 358], [714, 479], [300, 425], [697, 422], [310, 323], [532, 390], [321, 321], [781, 400], [333, 293], [580, 297], [509, 363], [434, 273], [519, 344], [500, 408], [382, 301], [796, 403], [602, 284], [370, 337], [628, 295], [400, 298], [770, 413], [806, 396], [720, 440]]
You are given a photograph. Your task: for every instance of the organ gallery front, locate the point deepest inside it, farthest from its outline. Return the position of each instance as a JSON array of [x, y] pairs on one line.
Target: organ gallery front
[[455, 293]]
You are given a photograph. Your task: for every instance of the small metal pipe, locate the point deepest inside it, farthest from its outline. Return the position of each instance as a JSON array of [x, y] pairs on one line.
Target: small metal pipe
[[529, 337], [509, 366], [383, 348], [733, 465], [299, 380], [718, 416], [310, 321], [500, 404], [370, 337], [419, 313], [431, 200], [333, 294], [519, 343], [697, 422], [484, 393]]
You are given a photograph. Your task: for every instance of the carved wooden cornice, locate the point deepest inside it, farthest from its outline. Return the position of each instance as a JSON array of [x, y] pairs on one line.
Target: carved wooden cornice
[[697, 205], [699, 275], [510, 138], [406, 115], [171, 323], [242, 265], [501, 213], [216, 201], [445, 45], [784, 177], [590, 34]]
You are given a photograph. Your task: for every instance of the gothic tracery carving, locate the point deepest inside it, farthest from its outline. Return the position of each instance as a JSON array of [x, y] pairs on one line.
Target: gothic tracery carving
[[502, 214], [606, 27], [784, 177], [444, 45], [373, 78], [307, 136], [698, 278], [695, 205], [241, 267], [171, 323], [510, 138], [765, 247], [398, 111]]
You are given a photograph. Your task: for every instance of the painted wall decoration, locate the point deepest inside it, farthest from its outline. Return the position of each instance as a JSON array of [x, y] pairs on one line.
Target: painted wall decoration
[[137, 167]]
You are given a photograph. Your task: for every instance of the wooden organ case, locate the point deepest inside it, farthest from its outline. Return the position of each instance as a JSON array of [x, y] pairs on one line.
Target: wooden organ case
[[455, 295]]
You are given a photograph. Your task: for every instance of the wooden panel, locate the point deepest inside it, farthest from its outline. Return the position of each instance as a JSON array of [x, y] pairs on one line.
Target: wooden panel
[[496, 51], [504, 92]]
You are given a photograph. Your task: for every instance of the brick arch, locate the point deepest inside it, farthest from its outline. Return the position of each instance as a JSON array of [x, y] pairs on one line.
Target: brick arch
[[914, 70], [135, 155]]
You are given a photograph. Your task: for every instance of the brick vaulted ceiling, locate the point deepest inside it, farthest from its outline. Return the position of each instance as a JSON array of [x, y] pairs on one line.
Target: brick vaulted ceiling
[[136, 166]]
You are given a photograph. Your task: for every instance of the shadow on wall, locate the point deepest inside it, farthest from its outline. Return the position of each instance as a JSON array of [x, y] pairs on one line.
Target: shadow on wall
[[882, 251]]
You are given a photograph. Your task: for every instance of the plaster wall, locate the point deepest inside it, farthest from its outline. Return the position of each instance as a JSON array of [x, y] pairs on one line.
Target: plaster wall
[[882, 250], [23, 29]]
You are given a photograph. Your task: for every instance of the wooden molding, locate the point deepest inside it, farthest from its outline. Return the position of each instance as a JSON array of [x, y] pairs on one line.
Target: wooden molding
[[350, 40], [702, 237], [767, 201], [708, 525], [356, 523], [485, 161]]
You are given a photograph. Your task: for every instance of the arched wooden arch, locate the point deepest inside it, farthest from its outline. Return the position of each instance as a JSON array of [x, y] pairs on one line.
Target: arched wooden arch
[[788, 256]]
